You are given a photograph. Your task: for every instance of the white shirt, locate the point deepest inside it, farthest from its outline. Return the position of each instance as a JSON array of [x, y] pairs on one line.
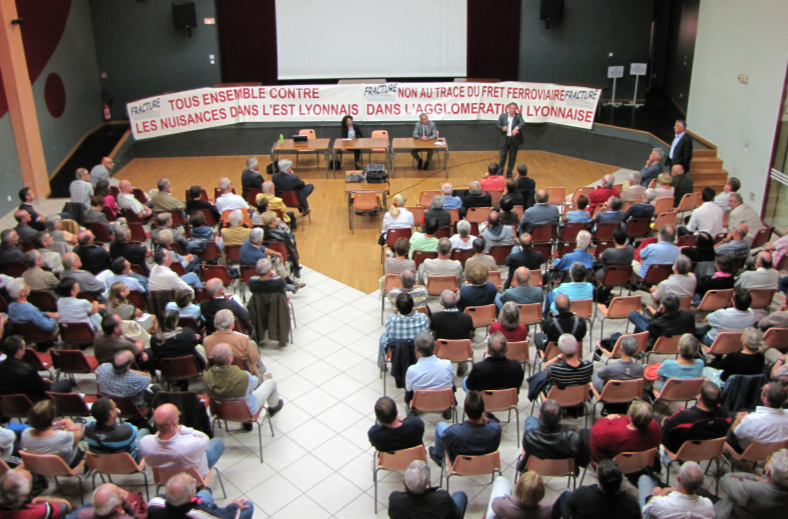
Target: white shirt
[[509, 126], [184, 450], [765, 425], [404, 220], [163, 278], [230, 202], [743, 213], [707, 218], [676, 140], [457, 243], [758, 278], [439, 267], [7, 438], [679, 506], [429, 373]]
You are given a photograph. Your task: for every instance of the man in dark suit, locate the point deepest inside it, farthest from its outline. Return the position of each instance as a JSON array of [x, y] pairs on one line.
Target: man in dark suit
[[424, 130], [682, 183], [250, 178], [642, 209], [525, 257], [669, 320], [510, 125], [286, 180], [681, 148], [525, 185], [94, 258], [210, 307], [451, 324], [122, 247], [475, 198]]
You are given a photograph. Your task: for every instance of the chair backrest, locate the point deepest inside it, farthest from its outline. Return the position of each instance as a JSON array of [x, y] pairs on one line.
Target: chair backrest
[[47, 465], [100, 231], [392, 235], [43, 300], [310, 134], [476, 465], [494, 277], [77, 332], [519, 210], [761, 451], [620, 391], [545, 248], [231, 410], [115, 463], [420, 255], [14, 269], [557, 195], [129, 410], [551, 468], [215, 271], [15, 406], [581, 190], [668, 218], [583, 308], [432, 399], [277, 246], [499, 399], [425, 198], [667, 345], [570, 395], [500, 253], [564, 248], [621, 306], [637, 227], [701, 450], [189, 322], [617, 275], [495, 195], [605, 230], [761, 297], [31, 357], [688, 240], [33, 333], [762, 237], [663, 205], [454, 350], [726, 342], [437, 284], [681, 389], [401, 459], [250, 195], [180, 368], [233, 253], [569, 231], [162, 476], [657, 273], [776, 338], [70, 361], [443, 232], [688, 202], [631, 462], [69, 404], [518, 350], [418, 213], [530, 313], [289, 198], [482, 315], [716, 300], [477, 214], [601, 247], [641, 338], [462, 255], [392, 281], [543, 233]]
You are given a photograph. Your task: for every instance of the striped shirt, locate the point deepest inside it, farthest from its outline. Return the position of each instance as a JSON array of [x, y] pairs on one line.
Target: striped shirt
[[418, 293], [128, 201], [115, 438], [565, 375]]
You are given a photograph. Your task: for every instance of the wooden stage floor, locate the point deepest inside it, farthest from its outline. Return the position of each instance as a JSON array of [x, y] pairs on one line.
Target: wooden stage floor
[[327, 245]]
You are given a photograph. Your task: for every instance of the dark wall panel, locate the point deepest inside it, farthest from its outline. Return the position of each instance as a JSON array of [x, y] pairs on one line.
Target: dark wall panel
[[493, 39], [246, 58]]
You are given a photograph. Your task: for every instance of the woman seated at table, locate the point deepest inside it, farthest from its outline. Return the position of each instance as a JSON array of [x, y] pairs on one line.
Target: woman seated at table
[[73, 310], [350, 130], [47, 436]]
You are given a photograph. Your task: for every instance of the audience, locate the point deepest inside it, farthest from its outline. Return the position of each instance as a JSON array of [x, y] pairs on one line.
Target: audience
[[16, 500], [106, 436], [653, 167], [706, 218], [235, 234], [735, 244], [195, 202], [523, 293], [228, 200], [475, 198], [128, 201], [721, 279], [81, 190], [567, 368], [606, 499], [477, 435], [507, 215], [764, 276], [122, 247], [242, 347], [621, 254], [49, 436], [392, 432], [426, 240], [577, 289], [172, 341], [398, 216], [706, 420], [492, 180], [541, 213], [450, 323], [742, 213], [9, 253], [524, 257], [286, 180], [524, 504], [636, 431], [682, 183], [664, 252], [665, 187], [768, 424], [400, 261], [686, 366], [602, 193], [732, 185], [405, 324], [421, 501], [437, 212], [19, 377], [121, 273], [496, 233], [477, 291], [624, 368], [682, 501], [119, 380], [480, 257], [681, 283], [509, 324], [22, 311], [734, 319], [35, 276], [580, 214], [72, 310], [643, 207], [276, 203], [561, 320], [635, 191], [182, 500], [163, 278], [429, 372], [748, 495], [449, 200], [545, 438], [668, 321], [53, 260], [417, 292], [463, 239], [495, 371], [440, 266]]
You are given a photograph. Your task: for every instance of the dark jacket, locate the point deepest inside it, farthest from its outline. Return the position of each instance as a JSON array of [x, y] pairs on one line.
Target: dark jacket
[[554, 444], [694, 424], [181, 345], [451, 325], [94, 258], [192, 409], [343, 129], [682, 184], [271, 315], [668, 326], [743, 392], [481, 200], [525, 258], [17, 376], [641, 210], [712, 283], [158, 508], [272, 234], [442, 215], [496, 373], [434, 503], [287, 182], [199, 204], [682, 154], [10, 254], [211, 307], [517, 121], [134, 253], [403, 355], [251, 179]]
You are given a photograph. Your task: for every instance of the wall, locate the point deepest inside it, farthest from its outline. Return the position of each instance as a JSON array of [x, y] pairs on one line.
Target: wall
[[10, 172], [144, 55], [676, 23], [576, 49], [736, 38]]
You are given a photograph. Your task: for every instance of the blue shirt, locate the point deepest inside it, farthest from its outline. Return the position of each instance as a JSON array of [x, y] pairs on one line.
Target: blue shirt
[[650, 173], [574, 291], [671, 369], [660, 253], [190, 310], [583, 256], [471, 439], [26, 312], [129, 281], [577, 216], [429, 373], [251, 254], [452, 202]]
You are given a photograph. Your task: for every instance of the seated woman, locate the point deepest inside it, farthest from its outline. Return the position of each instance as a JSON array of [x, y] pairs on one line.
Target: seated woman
[[185, 307], [70, 309], [463, 239], [688, 365], [118, 303], [524, 504], [722, 279], [477, 291], [47, 436], [664, 187], [507, 216], [102, 190], [272, 232], [172, 341], [748, 361], [509, 324], [350, 130], [202, 233], [397, 217], [580, 215], [613, 434]]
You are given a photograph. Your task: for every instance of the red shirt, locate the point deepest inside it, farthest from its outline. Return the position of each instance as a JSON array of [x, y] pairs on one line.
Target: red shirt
[[34, 511], [519, 334], [493, 183], [600, 195], [612, 437]]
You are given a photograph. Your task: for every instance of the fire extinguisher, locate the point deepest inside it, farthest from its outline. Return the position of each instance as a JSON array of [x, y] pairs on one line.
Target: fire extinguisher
[[107, 114], [106, 97]]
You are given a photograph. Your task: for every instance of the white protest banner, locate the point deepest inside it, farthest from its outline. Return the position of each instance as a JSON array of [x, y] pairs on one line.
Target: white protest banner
[[211, 107]]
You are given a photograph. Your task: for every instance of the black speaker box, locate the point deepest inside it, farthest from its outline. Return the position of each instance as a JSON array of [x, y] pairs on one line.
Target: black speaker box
[[184, 14], [551, 10]]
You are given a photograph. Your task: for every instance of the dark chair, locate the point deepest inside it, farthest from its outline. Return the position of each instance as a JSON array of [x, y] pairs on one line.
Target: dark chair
[[136, 298], [250, 195], [569, 231], [43, 300], [543, 233], [70, 362], [500, 253], [189, 322], [604, 230], [210, 254], [15, 406], [233, 253], [34, 334], [108, 213], [657, 274], [77, 333], [129, 410], [42, 361], [100, 231], [462, 255], [179, 368], [420, 255], [392, 235], [638, 227], [14, 270], [72, 404]]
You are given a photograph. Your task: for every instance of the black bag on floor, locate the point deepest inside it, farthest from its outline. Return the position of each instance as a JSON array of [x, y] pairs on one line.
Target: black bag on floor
[[272, 168]]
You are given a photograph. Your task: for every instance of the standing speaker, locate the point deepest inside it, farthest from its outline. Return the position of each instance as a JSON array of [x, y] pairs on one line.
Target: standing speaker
[[184, 14], [551, 10]]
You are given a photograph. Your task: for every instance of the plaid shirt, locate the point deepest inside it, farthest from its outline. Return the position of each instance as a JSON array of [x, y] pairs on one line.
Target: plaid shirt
[[129, 384], [81, 192], [177, 237], [734, 249], [127, 201], [403, 327]]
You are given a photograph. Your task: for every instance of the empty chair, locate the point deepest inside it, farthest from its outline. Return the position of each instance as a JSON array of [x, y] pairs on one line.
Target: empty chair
[[72, 404], [51, 465], [15, 406], [557, 195], [620, 308], [77, 333], [238, 411], [776, 338], [434, 401], [70, 362]]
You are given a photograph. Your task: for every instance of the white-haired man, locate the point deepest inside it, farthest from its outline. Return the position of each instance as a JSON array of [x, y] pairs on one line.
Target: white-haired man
[[183, 500], [653, 167], [228, 200], [602, 194], [250, 177], [748, 495], [242, 346], [163, 278], [449, 200], [635, 191], [286, 180], [15, 500], [682, 501], [80, 189], [236, 233], [72, 267], [127, 200], [420, 501], [164, 201], [109, 502], [190, 262]]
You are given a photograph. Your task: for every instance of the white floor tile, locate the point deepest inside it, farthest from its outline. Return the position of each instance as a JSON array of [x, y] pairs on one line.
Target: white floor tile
[[334, 492], [301, 507]]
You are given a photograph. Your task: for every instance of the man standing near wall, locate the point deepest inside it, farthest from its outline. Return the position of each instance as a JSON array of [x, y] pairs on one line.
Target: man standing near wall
[[511, 124], [681, 148]]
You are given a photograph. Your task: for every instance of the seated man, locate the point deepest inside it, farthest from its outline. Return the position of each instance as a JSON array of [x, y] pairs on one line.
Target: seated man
[[664, 252], [450, 323], [706, 218], [274, 202], [242, 346], [72, 267], [164, 222], [134, 252], [228, 200], [768, 424], [561, 321], [406, 323], [681, 283], [682, 501], [163, 278], [621, 254], [127, 201], [449, 200], [16, 501], [22, 311], [580, 254], [226, 381], [644, 206], [475, 436], [669, 320], [682, 183], [480, 256], [604, 499], [102, 171], [496, 233], [210, 307], [624, 368], [94, 258], [437, 212], [420, 501], [183, 500], [23, 230], [742, 213], [540, 213], [429, 372], [236, 234], [493, 180], [545, 438], [190, 262], [177, 447], [764, 275], [35, 276], [106, 436], [417, 292], [54, 223], [392, 432], [523, 293], [443, 265], [706, 420], [602, 193], [495, 371], [635, 191], [425, 240], [110, 340], [96, 215], [164, 201], [80, 189], [475, 198], [121, 272], [568, 368], [19, 377], [250, 177], [118, 379], [52, 259], [735, 245], [653, 167], [522, 257], [611, 212], [286, 180], [266, 281], [748, 495], [196, 203], [577, 290], [734, 319], [9, 253]]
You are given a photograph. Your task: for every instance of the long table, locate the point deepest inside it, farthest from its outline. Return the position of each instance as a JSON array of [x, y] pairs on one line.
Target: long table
[[311, 146], [409, 144], [366, 144]]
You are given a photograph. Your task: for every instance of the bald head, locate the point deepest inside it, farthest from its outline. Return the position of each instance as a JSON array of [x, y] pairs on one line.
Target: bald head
[[764, 259], [268, 187], [740, 231], [677, 169], [447, 189], [21, 216], [125, 186], [221, 354], [475, 187], [166, 417], [16, 486], [214, 287]]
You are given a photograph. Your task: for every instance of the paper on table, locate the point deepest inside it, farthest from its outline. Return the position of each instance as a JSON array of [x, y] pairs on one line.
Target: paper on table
[[347, 139], [440, 143]]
